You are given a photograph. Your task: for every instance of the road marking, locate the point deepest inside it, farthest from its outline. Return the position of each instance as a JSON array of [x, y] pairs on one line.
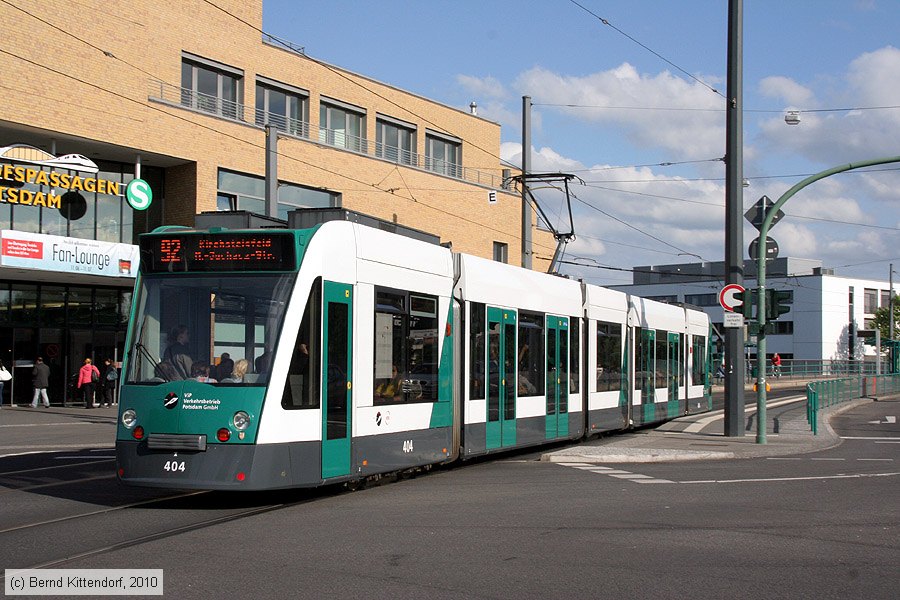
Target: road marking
[[828, 459], [774, 479], [877, 459], [617, 473], [861, 437], [887, 421]]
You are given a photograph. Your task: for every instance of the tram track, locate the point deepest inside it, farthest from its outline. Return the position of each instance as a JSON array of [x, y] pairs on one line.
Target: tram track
[[102, 525]]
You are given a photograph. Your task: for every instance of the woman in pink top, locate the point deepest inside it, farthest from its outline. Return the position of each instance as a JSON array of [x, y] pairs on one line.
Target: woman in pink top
[[87, 375]]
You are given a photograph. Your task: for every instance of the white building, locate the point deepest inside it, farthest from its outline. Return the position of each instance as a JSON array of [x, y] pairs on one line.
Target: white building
[[827, 313]]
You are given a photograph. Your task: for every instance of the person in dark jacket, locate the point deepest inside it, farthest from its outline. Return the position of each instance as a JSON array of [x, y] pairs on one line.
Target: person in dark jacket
[[109, 377], [41, 380], [177, 353]]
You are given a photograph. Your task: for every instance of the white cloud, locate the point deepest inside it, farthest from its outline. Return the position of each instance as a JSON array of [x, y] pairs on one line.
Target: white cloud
[[479, 88], [788, 90], [692, 127]]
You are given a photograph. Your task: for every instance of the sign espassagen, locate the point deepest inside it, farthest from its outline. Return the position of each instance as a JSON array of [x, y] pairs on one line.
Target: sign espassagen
[[19, 174]]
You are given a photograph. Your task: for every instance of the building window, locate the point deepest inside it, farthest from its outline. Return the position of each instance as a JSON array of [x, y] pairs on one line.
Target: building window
[[395, 142], [885, 298], [870, 301], [443, 155], [501, 252], [285, 109], [406, 347], [702, 299], [342, 126], [668, 298], [238, 191], [211, 87], [780, 328]]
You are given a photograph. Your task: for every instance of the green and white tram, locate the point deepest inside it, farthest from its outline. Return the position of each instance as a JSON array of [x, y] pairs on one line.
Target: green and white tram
[[261, 359]]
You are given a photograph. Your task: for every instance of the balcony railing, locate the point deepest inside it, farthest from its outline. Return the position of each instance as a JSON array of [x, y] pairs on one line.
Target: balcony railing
[[234, 111]]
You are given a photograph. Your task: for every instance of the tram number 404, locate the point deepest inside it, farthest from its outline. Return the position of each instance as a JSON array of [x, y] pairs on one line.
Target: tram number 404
[[407, 446], [174, 466]]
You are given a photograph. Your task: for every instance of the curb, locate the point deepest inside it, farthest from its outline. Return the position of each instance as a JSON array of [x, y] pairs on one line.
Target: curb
[[633, 455]]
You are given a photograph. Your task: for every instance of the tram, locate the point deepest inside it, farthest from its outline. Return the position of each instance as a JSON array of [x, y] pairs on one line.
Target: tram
[[277, 358]]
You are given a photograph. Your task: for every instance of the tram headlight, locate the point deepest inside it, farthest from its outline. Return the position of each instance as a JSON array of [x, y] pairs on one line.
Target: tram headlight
[[129, 418], [241, 420]]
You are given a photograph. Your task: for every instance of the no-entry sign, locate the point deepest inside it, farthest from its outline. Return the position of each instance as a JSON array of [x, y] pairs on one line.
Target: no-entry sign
[[727, 299]]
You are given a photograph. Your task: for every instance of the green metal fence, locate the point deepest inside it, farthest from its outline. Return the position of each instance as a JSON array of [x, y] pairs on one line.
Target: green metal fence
[[823, 394]]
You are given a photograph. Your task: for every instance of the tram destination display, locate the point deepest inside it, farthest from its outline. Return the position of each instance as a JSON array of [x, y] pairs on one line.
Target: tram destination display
[[219, 252]]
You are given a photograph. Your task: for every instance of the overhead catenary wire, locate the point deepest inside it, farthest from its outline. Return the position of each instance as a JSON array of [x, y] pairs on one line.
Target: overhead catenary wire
[[647, 48]]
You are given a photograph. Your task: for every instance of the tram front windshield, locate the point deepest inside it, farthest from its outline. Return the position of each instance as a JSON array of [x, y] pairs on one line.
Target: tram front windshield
[[220, 330]]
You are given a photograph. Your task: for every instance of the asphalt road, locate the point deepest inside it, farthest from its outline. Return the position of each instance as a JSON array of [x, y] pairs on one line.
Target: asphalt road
[[820, 525]]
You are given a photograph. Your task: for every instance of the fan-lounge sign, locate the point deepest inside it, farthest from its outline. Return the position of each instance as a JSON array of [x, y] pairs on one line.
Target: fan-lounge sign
[[19, 175]]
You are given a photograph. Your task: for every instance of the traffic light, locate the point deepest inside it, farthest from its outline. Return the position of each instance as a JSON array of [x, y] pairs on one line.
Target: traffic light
[[748, 298], [777, 303]]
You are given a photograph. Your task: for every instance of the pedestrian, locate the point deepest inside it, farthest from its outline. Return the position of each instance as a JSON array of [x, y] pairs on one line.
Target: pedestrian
[[108, 380], [41, 380], [776, 365], [88, 377], [4, 377]]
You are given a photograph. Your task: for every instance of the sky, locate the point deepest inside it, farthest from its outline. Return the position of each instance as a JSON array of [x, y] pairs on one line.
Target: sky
[[634, 106]]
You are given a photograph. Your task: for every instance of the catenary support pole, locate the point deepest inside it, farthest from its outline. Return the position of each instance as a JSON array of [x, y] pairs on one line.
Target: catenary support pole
[[526, 167], [734, 209], [271, 188]]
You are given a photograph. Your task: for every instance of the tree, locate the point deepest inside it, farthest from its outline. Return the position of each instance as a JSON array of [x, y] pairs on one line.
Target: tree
[[882, 320]]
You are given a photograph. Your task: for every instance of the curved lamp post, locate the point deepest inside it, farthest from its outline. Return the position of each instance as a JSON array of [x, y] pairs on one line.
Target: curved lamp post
[[761, 282]]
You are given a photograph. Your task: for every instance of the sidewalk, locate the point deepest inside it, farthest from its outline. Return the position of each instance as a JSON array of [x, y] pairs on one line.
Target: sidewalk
[[24, 429], [701, 437]]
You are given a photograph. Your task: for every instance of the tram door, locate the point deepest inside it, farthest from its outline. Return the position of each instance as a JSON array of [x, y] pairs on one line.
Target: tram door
[[557, 420], [646, 366], [337, 378], [676, 373], [501, 391]]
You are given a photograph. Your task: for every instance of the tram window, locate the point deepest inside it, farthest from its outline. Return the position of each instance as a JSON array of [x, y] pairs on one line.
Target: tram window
[[644, 362], [609, 356], [662, 366], [575, 354], [698, 360], [233, 314], [337, 384], [406, 347], [476, 351], [302, 388], [531, 351], [493, 400], [509, 333]]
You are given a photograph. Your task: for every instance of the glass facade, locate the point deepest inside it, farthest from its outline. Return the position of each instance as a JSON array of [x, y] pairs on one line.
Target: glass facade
[[63, 324], [238, 191]]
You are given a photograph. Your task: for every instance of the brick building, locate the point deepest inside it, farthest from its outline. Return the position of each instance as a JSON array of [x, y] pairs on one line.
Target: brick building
[[178, 93]]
